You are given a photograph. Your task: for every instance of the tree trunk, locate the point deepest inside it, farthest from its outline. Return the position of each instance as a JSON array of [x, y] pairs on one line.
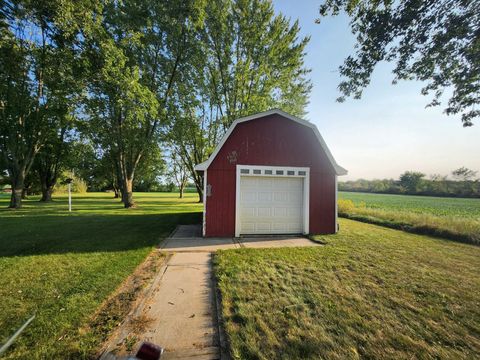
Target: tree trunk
[[24, 193], [116, 192], [127, 193], [118, 185], [181, 191], [47, 194], [48, 179], [17, 190], [200, 193], [198, 180]]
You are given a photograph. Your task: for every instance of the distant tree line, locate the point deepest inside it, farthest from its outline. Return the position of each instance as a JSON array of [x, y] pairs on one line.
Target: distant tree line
[[116, 92], [463, 184]]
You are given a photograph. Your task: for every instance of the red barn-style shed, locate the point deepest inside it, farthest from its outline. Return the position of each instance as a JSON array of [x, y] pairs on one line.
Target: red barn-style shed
[[272, 173]]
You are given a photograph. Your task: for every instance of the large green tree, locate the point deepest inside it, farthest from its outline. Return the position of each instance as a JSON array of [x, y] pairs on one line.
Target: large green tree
[[247, 60], [138, 55], [39, 43], [434, 41]]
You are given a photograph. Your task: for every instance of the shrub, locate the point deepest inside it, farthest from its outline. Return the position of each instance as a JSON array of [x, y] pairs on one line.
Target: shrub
[[79, 185], [345, 206]]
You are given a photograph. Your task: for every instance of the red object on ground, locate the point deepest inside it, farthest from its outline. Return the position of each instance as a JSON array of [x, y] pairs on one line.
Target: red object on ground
[[149, 351]]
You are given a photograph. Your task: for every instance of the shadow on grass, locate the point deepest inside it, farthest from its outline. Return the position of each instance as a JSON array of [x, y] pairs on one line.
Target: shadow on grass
[[89, 207], [37, 234]]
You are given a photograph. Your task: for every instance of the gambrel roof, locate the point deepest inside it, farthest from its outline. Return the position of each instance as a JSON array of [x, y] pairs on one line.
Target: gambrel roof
[[338, 169]]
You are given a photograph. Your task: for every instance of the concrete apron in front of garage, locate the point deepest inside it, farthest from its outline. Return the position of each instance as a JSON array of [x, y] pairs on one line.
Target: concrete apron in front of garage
[[188, 238], [180, 312]]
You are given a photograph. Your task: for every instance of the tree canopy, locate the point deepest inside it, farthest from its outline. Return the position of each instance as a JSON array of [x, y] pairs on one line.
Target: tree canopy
[[434, 41], [121, 84], [40, 77], [247, 59]]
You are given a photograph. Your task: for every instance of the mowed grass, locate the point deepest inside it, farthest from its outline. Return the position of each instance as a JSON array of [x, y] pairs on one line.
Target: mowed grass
[[370, 292], [452, 218], [61, 266]]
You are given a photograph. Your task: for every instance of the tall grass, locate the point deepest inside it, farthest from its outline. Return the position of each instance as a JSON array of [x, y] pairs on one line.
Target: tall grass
[[447, 226]]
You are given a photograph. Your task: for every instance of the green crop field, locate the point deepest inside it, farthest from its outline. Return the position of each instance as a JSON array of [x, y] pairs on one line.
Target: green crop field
[[417, 204], [451, 218]]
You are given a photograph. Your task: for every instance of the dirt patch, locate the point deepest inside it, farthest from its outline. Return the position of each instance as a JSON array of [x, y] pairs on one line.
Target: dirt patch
[[139, 324], [122, 303]]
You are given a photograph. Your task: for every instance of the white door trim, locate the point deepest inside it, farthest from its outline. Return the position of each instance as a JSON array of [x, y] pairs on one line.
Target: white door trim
[[272, 171], [204, 220]]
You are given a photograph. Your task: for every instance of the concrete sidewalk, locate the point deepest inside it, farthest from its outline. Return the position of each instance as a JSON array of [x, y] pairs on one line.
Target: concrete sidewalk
[[179, 312]]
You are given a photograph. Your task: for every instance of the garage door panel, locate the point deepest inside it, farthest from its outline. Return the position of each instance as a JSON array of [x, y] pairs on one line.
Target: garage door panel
[[249, 182], [271, 205], [293, 227], [248, 228], [282, 183], [280, 196], [247, 212], [265, 183], [263, 227], [263, 211], [293, 183], [280, 212], [264, 196], [248, 196], [294, 213], [295, 196], [280, 227]]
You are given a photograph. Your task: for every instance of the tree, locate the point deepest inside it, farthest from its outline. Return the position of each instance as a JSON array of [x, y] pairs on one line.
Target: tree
[[150, 170], [435, 41], [51, 159], [179, 173], [137, 57], [254, 60], [83, 159], [464, 173], [411, 181], [192, 140], [39, 44], [247, 60]]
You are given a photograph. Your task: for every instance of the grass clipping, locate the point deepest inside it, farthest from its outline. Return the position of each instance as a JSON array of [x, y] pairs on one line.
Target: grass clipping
[[445, 226]]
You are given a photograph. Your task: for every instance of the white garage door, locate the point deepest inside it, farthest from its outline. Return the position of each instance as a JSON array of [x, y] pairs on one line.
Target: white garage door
[[271, 205]]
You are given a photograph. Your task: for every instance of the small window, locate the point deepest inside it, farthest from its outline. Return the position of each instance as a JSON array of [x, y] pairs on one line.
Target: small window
[[279, 172], [290, 172], [268, 172], [257, 171], [302, 173], [244, 171]]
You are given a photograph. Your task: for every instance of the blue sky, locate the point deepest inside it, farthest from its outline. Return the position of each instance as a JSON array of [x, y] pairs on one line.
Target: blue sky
[[389, 130]]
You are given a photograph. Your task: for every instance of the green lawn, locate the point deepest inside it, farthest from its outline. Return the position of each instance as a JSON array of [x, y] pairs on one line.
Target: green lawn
[[452, 218], [370, 292], [61, 266]]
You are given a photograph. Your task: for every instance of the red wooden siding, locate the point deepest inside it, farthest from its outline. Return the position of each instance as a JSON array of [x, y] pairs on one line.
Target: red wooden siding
[[274, 141]]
